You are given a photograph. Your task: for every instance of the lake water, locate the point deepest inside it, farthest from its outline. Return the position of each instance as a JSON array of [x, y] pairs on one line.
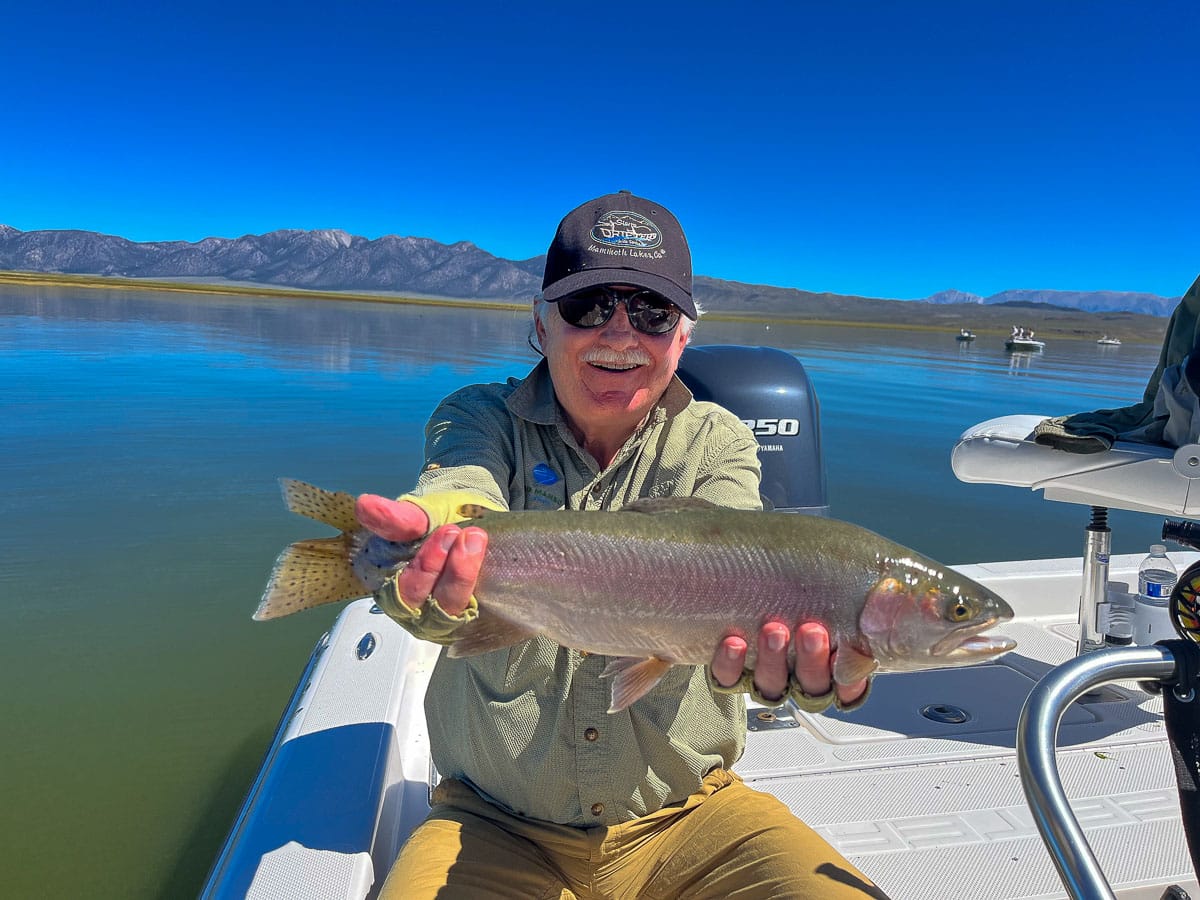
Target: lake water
[[141, 436]]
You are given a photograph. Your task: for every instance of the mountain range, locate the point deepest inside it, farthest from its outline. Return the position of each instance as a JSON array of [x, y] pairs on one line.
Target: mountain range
[[333, 260]]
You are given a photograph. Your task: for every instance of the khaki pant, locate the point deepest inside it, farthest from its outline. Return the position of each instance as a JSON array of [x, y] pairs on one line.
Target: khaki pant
[[725, 841]]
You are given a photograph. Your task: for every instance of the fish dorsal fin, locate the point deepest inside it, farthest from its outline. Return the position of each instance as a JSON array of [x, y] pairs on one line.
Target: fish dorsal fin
[[334, 508], [661, 505]]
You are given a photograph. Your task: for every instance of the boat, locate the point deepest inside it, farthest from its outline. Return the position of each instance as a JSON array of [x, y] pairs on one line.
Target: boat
[[965, 335], [1024, 345], [923, 788], [1109, 341]]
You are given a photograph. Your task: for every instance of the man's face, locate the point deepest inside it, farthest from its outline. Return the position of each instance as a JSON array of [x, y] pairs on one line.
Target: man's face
[[608, 377]]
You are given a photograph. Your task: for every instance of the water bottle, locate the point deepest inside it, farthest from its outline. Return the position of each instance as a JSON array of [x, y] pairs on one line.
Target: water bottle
[[1156, 578]]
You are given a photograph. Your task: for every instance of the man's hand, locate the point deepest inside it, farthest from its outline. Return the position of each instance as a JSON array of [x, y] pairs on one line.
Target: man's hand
[[813, 669], [446, 565]]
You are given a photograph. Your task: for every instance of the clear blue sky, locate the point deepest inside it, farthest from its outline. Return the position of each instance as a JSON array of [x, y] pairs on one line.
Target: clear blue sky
[[888, 149]]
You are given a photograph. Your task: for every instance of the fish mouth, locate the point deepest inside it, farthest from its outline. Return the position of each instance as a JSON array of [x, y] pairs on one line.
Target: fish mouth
[[968, 642]]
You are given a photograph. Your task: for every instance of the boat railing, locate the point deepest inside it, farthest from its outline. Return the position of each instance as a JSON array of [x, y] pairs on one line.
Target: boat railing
[[1172, 663]]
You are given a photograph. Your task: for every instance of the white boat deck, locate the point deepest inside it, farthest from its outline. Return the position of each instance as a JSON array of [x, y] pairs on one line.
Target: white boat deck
[[920, 787], [935, 809], [929, 809]]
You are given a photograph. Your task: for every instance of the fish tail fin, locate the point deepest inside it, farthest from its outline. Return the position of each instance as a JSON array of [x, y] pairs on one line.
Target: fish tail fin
[[334, 508], [307, 574], [633, 678]]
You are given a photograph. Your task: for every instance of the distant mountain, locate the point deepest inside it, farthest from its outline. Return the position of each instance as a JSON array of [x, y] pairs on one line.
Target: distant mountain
[[953, 296], [333, 260], [1092, 301], [324, 260]]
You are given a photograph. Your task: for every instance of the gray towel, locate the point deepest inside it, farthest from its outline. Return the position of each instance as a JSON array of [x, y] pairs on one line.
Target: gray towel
[[1092, 432]]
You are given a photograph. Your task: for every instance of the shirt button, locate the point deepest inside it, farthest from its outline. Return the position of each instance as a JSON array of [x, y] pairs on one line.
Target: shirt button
[[597, 809], [591, 734]]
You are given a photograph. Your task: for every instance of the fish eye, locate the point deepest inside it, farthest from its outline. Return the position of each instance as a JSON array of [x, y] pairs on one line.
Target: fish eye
[[959, 612]]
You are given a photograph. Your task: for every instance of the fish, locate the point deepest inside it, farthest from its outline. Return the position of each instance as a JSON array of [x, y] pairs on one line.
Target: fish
[[660, 582]]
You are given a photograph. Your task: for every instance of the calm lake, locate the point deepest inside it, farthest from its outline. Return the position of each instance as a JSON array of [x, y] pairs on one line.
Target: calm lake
[[141, 436]]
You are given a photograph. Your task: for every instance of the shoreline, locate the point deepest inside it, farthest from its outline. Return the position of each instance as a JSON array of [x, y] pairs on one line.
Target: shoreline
[[1059, 323], [104, 282]]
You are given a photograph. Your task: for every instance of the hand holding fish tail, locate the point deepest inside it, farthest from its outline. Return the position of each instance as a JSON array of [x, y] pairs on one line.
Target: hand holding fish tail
[[446, 567], [447, 564], [395, 520], [375, 559]]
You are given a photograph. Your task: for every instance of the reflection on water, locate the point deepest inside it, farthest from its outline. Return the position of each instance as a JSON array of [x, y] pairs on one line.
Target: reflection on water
[[343, 334], [1019, 360], [142, 437]]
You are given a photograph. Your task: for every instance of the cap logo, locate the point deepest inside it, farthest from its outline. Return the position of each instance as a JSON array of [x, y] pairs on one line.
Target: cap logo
[[626, 229]]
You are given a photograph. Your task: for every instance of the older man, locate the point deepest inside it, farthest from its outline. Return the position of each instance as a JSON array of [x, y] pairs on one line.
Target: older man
[[545, 794]]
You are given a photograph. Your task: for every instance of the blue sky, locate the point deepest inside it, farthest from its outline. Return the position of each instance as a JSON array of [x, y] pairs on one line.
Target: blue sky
[[889, 149]]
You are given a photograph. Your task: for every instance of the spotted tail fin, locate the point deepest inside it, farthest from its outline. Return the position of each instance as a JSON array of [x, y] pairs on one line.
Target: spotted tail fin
[[334, 508], [314, 572]]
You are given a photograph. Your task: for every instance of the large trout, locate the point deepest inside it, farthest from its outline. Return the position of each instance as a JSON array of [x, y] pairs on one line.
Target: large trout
[[660, 582]]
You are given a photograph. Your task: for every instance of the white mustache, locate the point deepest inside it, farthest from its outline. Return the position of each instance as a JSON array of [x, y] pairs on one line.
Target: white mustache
[[613, 359]]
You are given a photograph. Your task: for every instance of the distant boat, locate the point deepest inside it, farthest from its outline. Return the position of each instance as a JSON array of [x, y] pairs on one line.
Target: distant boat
[[1026, 344], [964, 335], [1109, 342]]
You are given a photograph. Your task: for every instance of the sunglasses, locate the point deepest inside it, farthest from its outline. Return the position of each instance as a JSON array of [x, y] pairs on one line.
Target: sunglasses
[[649, 311]]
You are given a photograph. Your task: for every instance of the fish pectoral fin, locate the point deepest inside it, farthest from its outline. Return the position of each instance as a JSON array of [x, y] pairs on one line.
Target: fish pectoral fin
[[660, 505], [850, 666], [307, 574], [334, 508], [487, 633], [633, 678]]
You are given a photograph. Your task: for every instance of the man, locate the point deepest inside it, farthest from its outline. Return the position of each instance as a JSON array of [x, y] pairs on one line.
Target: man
[[545, 794]]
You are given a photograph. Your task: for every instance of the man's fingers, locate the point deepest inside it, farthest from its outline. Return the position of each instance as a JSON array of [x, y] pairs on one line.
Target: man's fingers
[[396, 520], [729, 661], [848, 693], [417, 580], [771, 665], [812, 659], [456, 583]]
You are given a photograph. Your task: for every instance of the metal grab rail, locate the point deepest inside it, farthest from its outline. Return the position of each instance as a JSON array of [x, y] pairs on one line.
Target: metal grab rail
[[1037, 734]]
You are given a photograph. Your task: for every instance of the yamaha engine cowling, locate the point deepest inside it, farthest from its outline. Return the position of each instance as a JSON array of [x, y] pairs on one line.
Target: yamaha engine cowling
[[769, 390]]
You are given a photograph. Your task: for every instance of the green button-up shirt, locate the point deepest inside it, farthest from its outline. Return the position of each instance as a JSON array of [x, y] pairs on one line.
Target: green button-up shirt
[[528, 726]]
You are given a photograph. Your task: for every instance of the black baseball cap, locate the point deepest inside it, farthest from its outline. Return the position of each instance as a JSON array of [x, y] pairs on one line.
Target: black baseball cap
[[620, 239]]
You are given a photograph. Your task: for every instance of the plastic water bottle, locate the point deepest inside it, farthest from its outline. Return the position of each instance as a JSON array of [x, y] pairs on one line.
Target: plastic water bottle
[[1156, 578]]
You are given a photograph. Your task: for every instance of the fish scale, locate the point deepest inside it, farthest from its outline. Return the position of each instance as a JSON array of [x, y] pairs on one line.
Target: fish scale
[[704, 590]]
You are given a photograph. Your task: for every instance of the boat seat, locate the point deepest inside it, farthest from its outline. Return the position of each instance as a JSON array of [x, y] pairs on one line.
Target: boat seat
[[1141, 477]]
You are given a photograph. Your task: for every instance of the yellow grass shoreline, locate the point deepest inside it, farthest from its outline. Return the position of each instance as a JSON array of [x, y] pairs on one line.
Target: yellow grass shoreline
[[101, 282]]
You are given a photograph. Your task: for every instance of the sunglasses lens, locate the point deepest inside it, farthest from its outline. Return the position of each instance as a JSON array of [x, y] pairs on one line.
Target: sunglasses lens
[[652, 313], [649, 312], [588, 309]]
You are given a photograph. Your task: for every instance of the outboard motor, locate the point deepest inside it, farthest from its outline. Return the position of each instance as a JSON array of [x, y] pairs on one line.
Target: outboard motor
[[769, 390]]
